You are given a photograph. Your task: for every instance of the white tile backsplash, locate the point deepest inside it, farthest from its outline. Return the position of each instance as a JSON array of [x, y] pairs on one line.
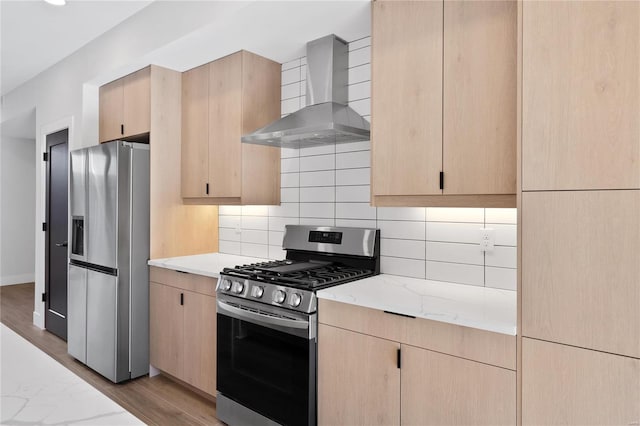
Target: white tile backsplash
[[353, 176], [325, 178], [401, 229], [255, 222], [360, 73], [355, 211], [355, 193], [456, 273], [502, 256], [446, 214], [319, 210], [455, 253], [254, 210], [289, 195], [509, 216], [505, 278], [401, 266], [318, 162], [454, 232], [360, 56], [329, 185], [255, 237], [401, 213], [290, 165], [353, 160], [318, 194], [289, 180], [411, 249]]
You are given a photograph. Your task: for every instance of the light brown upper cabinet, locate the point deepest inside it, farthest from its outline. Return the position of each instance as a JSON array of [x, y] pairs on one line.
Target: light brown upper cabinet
[[444, 103], [581, 269], [221, 101], [581, 95], [125, 106]]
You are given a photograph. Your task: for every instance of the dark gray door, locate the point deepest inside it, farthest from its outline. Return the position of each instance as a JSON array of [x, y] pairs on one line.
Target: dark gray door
[[56, 235]]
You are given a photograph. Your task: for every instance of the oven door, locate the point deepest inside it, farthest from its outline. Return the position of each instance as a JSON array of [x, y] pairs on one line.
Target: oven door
[[267, 360]]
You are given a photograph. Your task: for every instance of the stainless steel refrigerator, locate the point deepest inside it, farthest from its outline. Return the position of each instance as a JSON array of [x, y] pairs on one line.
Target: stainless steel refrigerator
[[108, 293]]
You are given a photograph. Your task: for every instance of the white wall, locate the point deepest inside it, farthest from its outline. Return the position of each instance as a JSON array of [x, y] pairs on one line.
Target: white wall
[[330, 186], [67, 92], [17, 185]]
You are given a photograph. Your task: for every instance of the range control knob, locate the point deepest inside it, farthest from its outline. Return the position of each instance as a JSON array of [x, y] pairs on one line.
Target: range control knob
[[257, 291], [279, 296], [238, 287], [295, 299], [225, 285]]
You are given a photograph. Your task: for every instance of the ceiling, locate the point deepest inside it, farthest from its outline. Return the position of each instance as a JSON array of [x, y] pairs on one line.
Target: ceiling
[[34, 35]]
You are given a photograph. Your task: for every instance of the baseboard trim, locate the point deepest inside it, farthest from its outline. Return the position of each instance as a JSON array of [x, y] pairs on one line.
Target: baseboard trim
[[38, 320]]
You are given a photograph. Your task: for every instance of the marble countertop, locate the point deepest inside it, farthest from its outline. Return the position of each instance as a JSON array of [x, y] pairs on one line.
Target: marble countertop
[[209, 264], [470, 306]]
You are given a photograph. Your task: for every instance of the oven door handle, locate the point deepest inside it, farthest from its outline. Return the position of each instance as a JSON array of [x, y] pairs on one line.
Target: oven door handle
[[257, 318]]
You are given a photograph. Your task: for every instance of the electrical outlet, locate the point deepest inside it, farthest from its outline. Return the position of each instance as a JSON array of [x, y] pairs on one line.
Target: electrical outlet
[[487, 239], [238, 230]]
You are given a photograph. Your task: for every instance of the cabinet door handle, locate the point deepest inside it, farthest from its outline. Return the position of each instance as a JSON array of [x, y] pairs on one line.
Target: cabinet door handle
[[399, 358], [207, 189], [181, 298], [122, 129]]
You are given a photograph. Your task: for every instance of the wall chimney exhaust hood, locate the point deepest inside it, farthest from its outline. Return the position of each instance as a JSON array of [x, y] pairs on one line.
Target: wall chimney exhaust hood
[[326, 119]]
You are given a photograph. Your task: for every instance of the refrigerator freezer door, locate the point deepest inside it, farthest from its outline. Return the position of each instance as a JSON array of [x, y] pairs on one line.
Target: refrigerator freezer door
[[77, 313], [102, 323], [78, 203], [102, 193]]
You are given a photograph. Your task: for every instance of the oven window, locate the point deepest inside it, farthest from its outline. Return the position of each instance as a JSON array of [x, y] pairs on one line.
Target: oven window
[[267, 370]]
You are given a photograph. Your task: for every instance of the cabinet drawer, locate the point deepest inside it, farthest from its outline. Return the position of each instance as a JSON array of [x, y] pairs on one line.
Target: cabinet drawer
[[464, 342], [183, 280], [362, 320]]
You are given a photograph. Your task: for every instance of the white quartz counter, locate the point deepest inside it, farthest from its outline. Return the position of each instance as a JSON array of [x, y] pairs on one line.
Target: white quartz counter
[[478, 307], [209, 264]]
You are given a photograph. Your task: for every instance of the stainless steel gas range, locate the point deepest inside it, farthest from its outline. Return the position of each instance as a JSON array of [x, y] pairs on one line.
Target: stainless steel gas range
[[267, 323]]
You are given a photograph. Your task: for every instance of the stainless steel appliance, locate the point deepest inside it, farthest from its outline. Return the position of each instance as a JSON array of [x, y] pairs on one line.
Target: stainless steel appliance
[[267, 323], [327, 118], [108, 293]]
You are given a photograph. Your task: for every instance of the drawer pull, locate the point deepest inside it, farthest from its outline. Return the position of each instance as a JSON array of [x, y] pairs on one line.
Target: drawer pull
[[400, 315]]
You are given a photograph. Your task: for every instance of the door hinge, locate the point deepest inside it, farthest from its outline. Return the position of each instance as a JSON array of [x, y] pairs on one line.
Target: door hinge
[[44, 297], [122, 129], [44, 226], [207, 189], [181, 298], [399, 360], [441, 180], [45, 156]]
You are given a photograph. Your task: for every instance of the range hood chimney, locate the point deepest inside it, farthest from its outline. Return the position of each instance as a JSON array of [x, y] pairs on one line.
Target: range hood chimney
[[326, 119]]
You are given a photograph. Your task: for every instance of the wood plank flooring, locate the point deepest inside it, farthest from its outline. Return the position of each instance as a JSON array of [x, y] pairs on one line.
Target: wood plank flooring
[[155, 401]]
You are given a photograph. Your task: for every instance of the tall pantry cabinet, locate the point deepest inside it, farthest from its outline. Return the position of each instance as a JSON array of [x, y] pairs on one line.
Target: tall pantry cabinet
[[580, 212]]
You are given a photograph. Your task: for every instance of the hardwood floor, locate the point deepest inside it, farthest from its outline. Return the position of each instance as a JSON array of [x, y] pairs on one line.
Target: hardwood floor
[[155, 401]]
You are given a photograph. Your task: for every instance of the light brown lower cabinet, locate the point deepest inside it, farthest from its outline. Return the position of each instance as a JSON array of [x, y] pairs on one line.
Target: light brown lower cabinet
[[358, 380], [440, 389], [364, 380], [566, 385], [183, 327]]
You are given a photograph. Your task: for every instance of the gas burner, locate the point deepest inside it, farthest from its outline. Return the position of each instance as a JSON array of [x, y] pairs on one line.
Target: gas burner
[[317, 257]]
